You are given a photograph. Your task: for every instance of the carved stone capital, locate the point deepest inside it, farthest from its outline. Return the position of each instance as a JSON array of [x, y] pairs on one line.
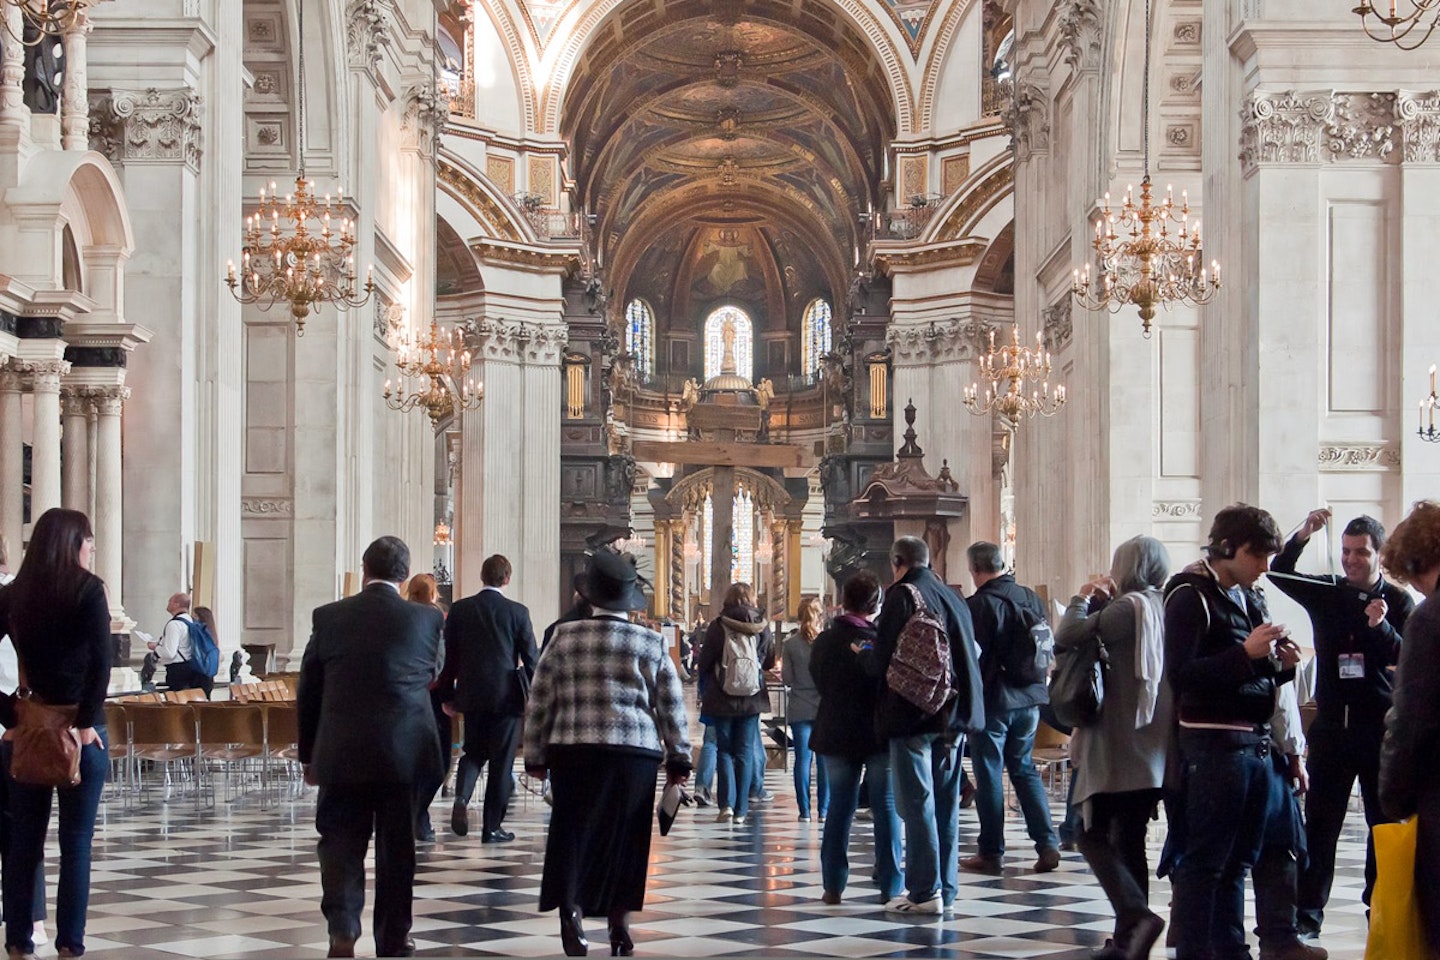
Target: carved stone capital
[[426, 113], [150, 126], [106, 401], [1283, 127], [1080, 34], [1357, 456], [939, 341], [501, 340], [1026, 117], [42, 375], [367, 32], [1175, 510], [1418, 115], [1058, 327]]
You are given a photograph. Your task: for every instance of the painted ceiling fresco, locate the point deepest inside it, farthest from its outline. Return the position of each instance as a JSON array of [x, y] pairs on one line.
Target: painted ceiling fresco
[[769, 115]]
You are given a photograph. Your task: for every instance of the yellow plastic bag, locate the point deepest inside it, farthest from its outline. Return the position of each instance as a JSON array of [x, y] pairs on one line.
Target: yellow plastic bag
[[1396, 929]]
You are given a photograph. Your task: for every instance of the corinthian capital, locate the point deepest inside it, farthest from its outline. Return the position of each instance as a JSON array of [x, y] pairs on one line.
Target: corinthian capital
[[426, 113], [1080, 34], [42, 375], [150, 126], [1025, 115], [367, 32]]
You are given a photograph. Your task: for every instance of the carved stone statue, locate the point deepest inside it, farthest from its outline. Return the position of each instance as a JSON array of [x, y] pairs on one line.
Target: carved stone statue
[[689, 395]]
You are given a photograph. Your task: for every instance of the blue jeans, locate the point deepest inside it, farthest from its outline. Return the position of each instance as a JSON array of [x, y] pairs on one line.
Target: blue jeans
[[29, 822], [1005, 748], [1226, 791], [800, 732], [926, 770], [757, 768], [845, 775], [735, 741], [705, 770]]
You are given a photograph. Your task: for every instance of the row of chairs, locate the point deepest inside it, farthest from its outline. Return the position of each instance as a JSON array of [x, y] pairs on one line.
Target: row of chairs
[[186, 741], [266, 691], [192, 695]]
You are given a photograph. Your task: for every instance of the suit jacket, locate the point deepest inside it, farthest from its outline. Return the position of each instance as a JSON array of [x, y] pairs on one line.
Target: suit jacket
[[486, 637], [364, 696]]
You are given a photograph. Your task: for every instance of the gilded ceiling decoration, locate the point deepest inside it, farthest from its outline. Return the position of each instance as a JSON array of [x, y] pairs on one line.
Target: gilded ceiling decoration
[[913, 17]]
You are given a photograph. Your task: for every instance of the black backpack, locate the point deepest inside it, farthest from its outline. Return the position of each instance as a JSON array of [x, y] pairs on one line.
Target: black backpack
[[1030, 652]]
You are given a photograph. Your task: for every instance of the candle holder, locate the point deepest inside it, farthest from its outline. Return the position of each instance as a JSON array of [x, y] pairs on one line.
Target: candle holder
[[1426, 429]]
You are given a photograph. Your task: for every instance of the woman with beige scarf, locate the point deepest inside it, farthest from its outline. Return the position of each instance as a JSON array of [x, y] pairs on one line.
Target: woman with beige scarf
[[1120, 760]]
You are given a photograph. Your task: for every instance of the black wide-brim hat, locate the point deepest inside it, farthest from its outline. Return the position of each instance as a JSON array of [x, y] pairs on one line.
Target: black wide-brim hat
[[611, 582]]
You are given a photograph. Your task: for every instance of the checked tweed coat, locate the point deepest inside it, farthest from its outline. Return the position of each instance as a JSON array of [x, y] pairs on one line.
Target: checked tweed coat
[[606, 681]]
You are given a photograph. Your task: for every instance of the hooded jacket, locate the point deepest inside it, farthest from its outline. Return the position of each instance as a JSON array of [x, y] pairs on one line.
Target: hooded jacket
[[716, 702]]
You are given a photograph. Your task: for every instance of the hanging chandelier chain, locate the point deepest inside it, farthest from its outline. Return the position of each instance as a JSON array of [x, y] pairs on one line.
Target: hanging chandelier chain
[[1145, 95], [300, 91]]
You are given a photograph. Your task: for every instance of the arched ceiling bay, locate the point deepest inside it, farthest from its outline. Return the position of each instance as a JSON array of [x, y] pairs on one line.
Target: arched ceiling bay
[[685, 113]]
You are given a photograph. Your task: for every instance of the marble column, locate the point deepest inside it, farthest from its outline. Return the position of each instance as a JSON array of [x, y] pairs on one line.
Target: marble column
[[12, 465], [45, 435], [14, 115], [75, 102], [722, 536], [109, 502], [75, 451]]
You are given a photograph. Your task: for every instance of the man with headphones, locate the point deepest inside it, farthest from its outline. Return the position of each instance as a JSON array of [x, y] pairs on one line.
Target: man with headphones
[[1224, 661]]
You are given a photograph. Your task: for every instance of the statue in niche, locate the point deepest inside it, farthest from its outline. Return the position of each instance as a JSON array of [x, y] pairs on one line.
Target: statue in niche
[[42, 71], [859, 294]]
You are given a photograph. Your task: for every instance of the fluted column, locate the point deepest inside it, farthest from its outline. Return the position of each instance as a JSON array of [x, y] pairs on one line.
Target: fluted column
[[75, 100], [75, 451], [45, 435], [12, 463], [109, 525], [13, 112]]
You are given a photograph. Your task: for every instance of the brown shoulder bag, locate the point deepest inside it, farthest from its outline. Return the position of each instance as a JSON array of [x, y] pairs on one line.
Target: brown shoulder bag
[[44, 744]]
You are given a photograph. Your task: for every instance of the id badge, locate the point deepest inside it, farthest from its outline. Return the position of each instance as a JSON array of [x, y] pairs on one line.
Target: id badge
[[1352, 666]]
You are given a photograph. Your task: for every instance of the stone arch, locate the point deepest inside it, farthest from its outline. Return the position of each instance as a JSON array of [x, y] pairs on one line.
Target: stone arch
[[690, 491], [992, 184], [885, 44], [935, 62], [495, 215]]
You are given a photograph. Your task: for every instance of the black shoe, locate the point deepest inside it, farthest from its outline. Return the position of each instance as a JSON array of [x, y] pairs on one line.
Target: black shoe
[[572, 934], [424, 833], [497, 835], [1142, 936], [459, 820], [406, 948], [1307, 927], [341, 946], [620, 943]]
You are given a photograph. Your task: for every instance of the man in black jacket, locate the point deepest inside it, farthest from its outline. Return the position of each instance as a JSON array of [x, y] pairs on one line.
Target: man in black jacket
[[489, 660], [367, 736], [1224, 660], [1012, 714], [1358, 620], [925, 747]]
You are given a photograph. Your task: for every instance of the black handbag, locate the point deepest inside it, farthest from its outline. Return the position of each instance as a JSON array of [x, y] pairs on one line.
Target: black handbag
[[1077, 687]]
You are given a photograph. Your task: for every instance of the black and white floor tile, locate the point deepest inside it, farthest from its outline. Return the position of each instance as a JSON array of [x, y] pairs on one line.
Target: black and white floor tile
[[175, 880]]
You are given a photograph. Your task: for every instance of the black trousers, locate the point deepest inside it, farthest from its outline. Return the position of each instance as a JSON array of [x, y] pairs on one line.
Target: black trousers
[[425, 791], [490, 738], [1337, 757], [1114, 845], [182, 676], [346, 815]]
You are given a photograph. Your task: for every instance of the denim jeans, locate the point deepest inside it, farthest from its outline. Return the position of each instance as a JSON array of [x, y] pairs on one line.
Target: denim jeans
[[926, 771], [1005, 748], [800, 732], [1282, 856], [757, 766], [29, 822], [845, 777], [735, 740], [705, 769], [1226, 791]]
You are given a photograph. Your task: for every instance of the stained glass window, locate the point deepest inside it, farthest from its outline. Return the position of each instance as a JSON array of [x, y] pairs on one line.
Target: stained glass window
[[743, 552], [707, 538], [640, 336], [716, 325], [816, 343]]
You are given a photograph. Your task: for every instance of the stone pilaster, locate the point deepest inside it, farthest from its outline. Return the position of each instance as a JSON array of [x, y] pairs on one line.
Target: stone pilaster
[[12, 463], [44, 378], [75, 451], [109, 499]]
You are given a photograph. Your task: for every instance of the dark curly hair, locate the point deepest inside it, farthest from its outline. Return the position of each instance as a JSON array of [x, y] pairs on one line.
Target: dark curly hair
[[1241, 525], [1414, 546]]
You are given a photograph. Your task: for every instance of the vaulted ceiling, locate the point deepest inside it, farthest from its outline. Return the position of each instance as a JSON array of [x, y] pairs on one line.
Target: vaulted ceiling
[[698, 114]]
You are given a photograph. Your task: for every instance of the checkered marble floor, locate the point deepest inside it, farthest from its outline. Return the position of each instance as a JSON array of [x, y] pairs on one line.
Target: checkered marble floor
[[237, 881]]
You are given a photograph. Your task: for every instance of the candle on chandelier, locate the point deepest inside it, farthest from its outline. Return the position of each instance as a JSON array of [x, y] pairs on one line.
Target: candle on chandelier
[[230, 271], [1432, 379]]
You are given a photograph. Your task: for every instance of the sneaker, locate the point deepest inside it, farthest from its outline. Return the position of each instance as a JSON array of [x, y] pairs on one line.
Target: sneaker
[[864, 813], [981, 863], [830, 897], [703, 798], [1048, 860], [724, 815], [803, 819], [38, 934], [738, 821], [1294, 950], [764, 796], [903, 904]]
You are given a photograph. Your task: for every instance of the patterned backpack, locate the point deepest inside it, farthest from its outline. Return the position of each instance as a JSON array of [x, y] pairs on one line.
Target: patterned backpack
[[921, 671]]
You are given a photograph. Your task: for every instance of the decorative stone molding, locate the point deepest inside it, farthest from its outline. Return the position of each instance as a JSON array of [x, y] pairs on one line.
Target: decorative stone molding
[[1419, 117], [388, 319], [522, 342], [266, 507], [1059, 328], [939, 341], [1080, 34], [1322, 126], [107, 401], [154, 126], [1026, 117], [1363, 126], [1358, 456], [426, 113], [1175, 510], [42, 375], [1283, 127], [367, 32]]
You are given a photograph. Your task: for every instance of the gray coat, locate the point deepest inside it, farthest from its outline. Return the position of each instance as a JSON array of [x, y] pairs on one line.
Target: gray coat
[[1112, 756], [803, 704]]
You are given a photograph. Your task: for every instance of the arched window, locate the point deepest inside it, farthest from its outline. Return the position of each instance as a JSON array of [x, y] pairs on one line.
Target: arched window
[[742, 539], [718, 326], [640, 337], [815, 331]]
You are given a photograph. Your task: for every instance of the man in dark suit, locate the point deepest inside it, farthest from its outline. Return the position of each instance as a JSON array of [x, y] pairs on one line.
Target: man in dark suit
[[489, 659], [367, 735]]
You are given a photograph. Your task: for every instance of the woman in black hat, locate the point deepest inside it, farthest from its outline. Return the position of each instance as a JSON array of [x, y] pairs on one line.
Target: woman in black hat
[[606, 707]]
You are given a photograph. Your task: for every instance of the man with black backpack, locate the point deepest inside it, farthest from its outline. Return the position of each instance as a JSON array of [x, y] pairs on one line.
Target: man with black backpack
[[1016, 650], [186, 649], [930, 698]]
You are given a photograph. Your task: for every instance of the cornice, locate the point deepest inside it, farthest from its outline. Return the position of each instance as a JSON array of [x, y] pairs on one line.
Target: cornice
[[909, 259], [938, 341], [535, 258]]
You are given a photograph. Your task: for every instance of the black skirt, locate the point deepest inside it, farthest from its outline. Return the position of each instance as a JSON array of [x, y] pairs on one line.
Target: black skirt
[[598, 849]]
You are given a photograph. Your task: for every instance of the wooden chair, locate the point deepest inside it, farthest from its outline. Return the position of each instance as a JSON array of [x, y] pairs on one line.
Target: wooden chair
[[1052, 755], [228, 734], [282, 743], [121, 749], [189, 695], [163, 733]]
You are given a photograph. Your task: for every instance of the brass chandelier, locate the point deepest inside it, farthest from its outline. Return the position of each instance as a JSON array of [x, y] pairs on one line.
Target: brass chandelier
[[1396, 27], [295, 251], [434, 375], [1010, 371], [50, 18], [1159, 262]]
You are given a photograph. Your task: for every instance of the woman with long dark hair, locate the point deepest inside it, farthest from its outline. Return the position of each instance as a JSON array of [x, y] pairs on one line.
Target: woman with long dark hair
[[58, 617]]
